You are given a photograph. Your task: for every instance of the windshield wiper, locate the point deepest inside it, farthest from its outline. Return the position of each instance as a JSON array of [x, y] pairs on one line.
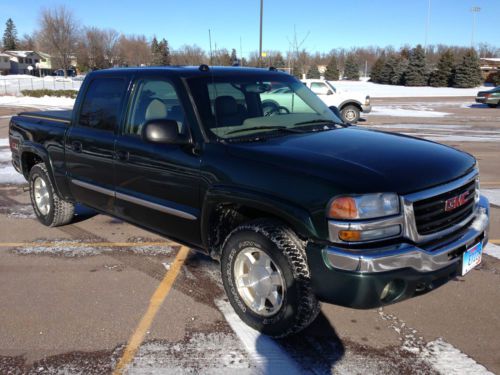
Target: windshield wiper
[[329, 122], [285, 128]]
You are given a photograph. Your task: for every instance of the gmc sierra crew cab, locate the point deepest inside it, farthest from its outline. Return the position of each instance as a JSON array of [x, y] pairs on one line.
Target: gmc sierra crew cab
[[297, 206]]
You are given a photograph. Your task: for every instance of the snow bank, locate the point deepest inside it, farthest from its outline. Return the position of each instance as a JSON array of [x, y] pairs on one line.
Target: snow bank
[[493, 195], [45, 102], [376, 90], [8, 175], [397, 111]]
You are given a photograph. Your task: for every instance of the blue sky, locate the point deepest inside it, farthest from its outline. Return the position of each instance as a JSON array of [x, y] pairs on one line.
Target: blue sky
[[330, 23]]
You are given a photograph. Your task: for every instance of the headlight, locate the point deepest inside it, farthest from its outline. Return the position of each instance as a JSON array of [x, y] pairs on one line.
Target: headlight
[[369, 206], [367, 100]]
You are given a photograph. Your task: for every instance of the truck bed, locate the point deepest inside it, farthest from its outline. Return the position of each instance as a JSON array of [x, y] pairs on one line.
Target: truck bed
[[58, 116]]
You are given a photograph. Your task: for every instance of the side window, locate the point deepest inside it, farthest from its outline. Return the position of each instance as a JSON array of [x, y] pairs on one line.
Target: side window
[[154, 99], [101, 105], [319, 88]]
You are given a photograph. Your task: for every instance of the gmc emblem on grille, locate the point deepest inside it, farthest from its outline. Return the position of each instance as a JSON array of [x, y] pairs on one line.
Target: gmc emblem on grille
[[456, 201]]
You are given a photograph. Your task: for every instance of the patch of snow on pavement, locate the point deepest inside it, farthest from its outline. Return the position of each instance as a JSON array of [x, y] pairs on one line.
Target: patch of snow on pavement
[[78, 248], [8, 175], [397, 111], [492, 250], [265, 352], [446, 359], [204, 353], [493, 196]]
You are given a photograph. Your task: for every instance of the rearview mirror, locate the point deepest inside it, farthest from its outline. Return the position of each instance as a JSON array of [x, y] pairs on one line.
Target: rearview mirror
[[329, 92], [163, 131]]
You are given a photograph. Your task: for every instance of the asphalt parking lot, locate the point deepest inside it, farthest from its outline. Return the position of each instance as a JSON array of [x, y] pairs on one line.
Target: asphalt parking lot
[[101, 296]]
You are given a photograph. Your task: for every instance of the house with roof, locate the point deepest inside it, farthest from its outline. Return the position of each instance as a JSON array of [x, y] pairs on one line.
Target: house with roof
[[20, 61], [489, 67], [4, 63]]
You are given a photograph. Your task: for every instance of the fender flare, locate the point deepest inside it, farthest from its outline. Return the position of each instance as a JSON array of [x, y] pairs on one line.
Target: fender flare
[[298, 218], [42, 153]]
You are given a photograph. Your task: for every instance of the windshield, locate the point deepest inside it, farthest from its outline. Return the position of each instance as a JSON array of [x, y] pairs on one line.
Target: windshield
[[235, 106]]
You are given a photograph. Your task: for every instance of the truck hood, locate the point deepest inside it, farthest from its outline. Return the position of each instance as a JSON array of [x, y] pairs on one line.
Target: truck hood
[[358, 160]]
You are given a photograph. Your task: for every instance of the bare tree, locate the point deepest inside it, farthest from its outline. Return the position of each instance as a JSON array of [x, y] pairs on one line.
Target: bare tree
[[110, 41], [189, 55], [27, 43], [134, 50], [59, 35]]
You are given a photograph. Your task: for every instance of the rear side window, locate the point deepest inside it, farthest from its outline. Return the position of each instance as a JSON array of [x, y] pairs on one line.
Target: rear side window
[[101, 105]]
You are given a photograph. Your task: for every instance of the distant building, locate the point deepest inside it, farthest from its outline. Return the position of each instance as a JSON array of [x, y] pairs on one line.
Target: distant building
[[489, 66], [20, 61], [4, 63]]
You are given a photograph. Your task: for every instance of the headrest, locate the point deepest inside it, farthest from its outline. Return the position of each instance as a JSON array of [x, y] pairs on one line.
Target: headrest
[[225, 106], [156, 110]]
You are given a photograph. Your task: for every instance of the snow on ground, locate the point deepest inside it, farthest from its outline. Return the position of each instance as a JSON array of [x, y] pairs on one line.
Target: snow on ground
[[398, 111], [493, 195], [8, 175], [46, 102], [492, 250], [376, 90], [14, 84]]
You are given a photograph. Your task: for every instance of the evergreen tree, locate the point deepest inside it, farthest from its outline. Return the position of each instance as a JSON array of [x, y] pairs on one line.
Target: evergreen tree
[[155, 52], [164, 52], [376, 70], [332, 70], [279, 61], [468, 72], [10, 36], [416, 74], [234, 58], [443, 75], [351, 69], [314, 72], [393, 70]]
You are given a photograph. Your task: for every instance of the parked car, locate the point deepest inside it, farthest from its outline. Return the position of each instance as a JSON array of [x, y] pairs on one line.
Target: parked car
[[490, 97], [298, 206], [60, 73], [350, 104]]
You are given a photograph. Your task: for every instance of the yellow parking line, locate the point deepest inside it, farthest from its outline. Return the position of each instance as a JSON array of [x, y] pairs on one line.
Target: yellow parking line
[[154, 304], [84, 244], [495, 241]]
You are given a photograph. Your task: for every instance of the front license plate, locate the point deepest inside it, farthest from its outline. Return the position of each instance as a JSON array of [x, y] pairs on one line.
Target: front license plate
[[472, 257]]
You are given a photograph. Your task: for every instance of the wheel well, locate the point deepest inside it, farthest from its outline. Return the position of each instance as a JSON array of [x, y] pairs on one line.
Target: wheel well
[[29, 159], [226, 217], [357, 105]]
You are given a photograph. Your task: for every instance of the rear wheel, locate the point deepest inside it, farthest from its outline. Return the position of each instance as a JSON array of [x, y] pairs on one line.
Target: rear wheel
[[350, 114], [50, 210], [266, 278]]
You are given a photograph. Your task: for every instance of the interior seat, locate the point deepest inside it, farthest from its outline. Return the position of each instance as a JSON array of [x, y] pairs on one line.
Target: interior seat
[[227, 111]]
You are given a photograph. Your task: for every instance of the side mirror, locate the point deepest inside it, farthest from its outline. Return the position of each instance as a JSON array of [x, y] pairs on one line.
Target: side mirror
[[163, 131], [336, 111], [329, 92]]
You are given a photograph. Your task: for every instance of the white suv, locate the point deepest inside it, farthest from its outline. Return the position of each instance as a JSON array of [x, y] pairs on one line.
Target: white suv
[[350, 104]]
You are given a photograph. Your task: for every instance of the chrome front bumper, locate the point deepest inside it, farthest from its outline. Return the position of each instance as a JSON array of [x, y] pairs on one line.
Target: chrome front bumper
[[406, 255], [366, 108]]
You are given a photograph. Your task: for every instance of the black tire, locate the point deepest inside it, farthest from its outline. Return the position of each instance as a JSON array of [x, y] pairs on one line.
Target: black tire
[[350, 114], [60, 212], [299, 304], [492, 105]]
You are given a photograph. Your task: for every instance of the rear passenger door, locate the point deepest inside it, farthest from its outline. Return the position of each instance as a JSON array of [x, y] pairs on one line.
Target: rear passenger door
[[157, 185], [90, 142]]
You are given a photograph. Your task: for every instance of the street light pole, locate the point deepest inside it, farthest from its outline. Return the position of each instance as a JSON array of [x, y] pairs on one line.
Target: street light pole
[[260, 37], [474, 11], [428, 21]]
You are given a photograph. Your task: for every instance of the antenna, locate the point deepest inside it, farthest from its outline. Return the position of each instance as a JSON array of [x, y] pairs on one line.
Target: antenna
[[210, 43]]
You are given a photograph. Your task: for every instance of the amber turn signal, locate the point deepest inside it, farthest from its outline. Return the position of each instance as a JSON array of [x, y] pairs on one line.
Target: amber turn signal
[[343, 208], [350, 235]]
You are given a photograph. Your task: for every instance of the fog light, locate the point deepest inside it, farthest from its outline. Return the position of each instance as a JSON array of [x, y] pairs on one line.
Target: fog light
[[392, 291], [369, 235], [385, 291]]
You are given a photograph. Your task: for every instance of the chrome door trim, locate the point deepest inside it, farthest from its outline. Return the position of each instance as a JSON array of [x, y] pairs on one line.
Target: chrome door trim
[[135, 200], [155, 206]]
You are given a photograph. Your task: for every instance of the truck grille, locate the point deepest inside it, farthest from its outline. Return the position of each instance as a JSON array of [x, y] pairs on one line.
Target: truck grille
[[430, 214]]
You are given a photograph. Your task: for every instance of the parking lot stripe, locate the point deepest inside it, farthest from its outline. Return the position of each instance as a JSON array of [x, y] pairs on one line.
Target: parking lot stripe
[[154, 305], [83, 244]]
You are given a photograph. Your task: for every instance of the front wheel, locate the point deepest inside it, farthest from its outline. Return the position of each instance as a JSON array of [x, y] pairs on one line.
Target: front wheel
[[350, 114], [50, 210], [266, 278]]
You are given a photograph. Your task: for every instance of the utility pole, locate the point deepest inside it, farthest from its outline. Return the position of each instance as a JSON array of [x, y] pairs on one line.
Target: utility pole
[[474, 11], [210, 43], [241, 53], [260, 38]]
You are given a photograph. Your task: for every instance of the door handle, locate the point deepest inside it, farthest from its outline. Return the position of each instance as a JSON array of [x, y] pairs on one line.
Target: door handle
[[122, 155], [77, 146]]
